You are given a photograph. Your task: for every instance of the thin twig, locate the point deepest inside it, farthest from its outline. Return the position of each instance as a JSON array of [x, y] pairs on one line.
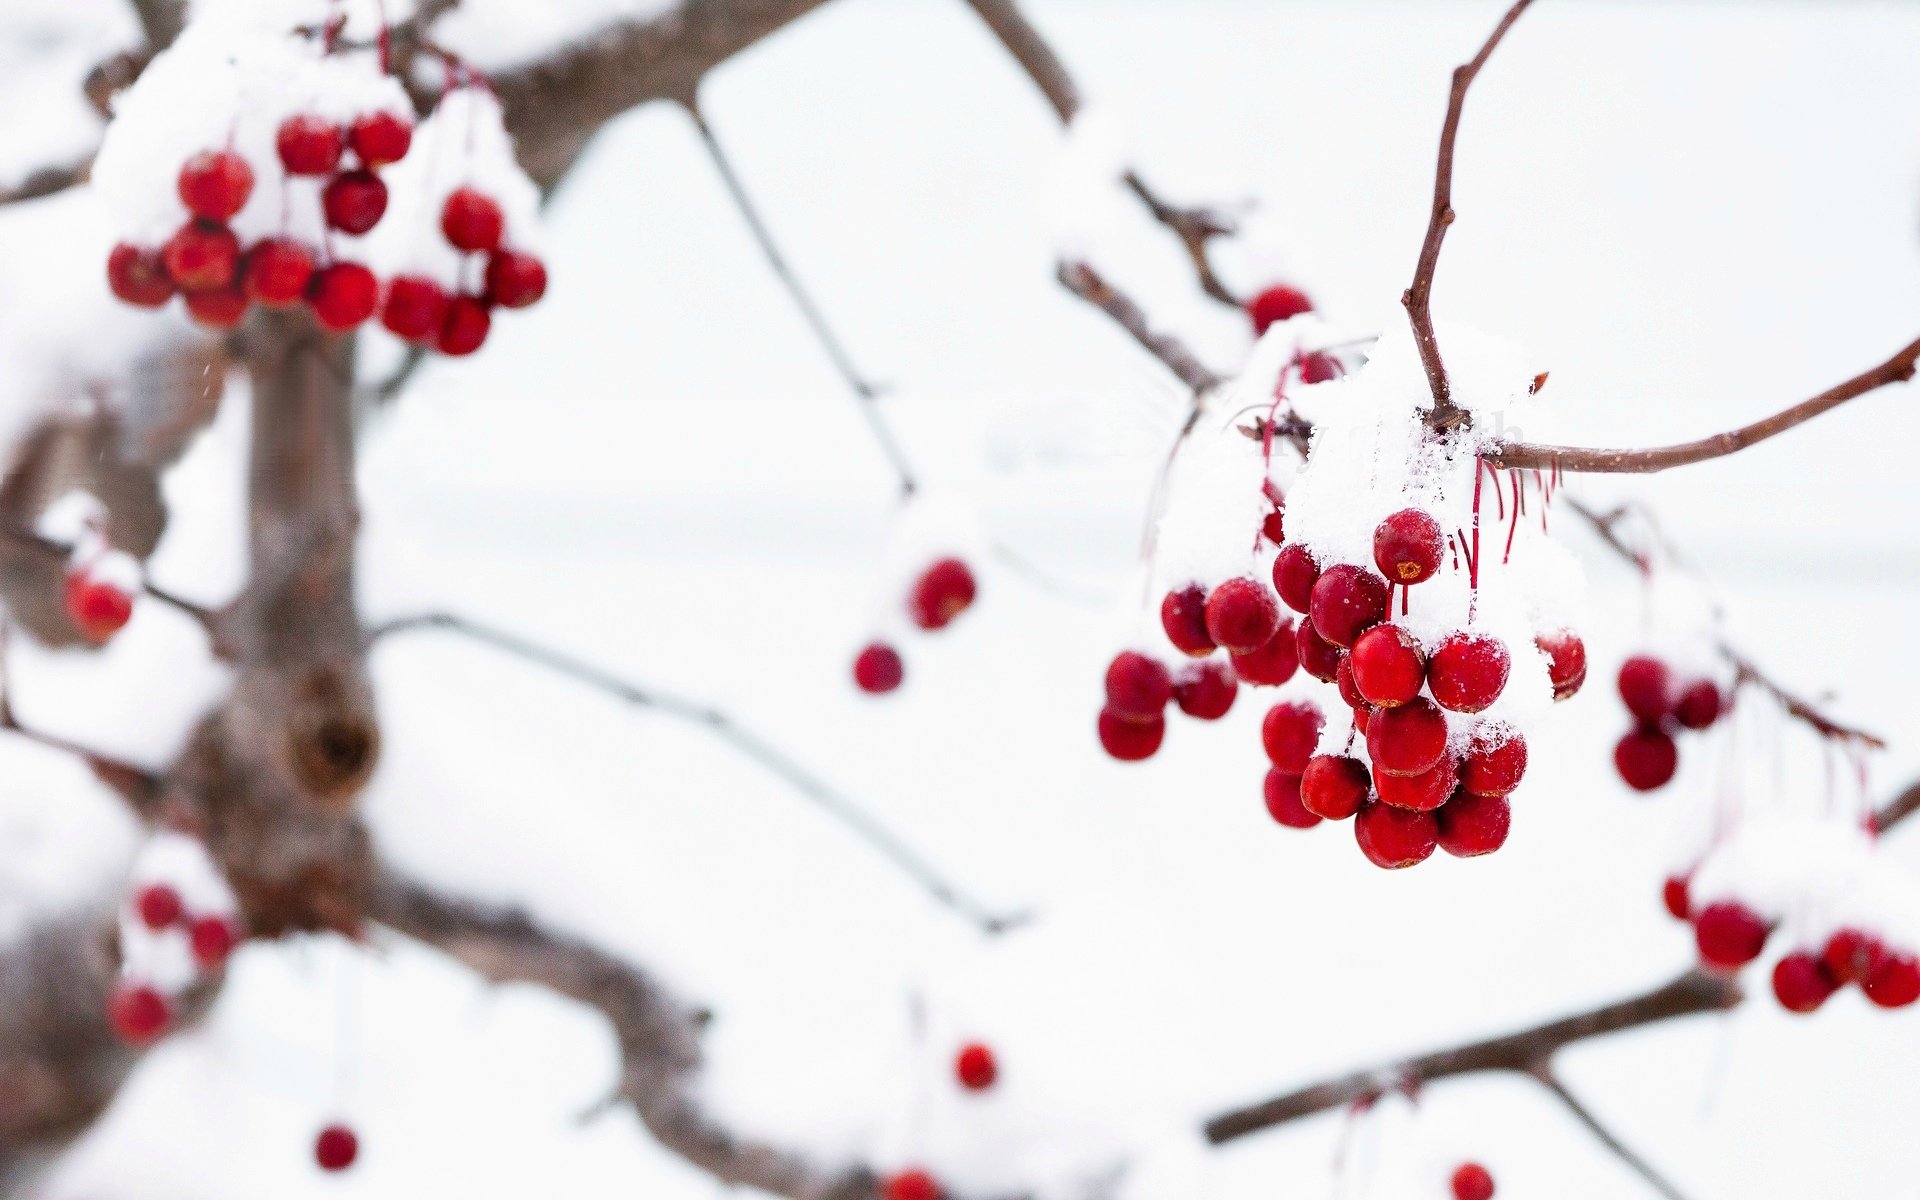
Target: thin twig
[[1086, 283], [1638, 1165], [26, 539], [1419, 296], [48, 180], [862, 824], [137, 785]]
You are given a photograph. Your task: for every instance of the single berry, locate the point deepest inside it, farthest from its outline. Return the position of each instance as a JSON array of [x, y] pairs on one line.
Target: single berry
[[515, 280], [1851, 955], [1675, 893], [1290, 732], [223, 308], [1349, 690], [1646, 759], [877, 669], [1388, 667], [1294, 574], [97, 608], [415, 308], [1128, 739], [354, 201], [1277, 303], [212, 939], [1729, 934], [1319, 367], [343, 295], [310, 145], [1647, 687], [1206, 690], [1183, 614], [1473, 825], [1242, 615], [380, 138], [975, 1067], [202, 256], [215, 184], [278, 271], [1273, 526], [1471, 1181], [1802, 983], [1283, 800], [1348, 601], [1469, 671], [1421, 793], [1318, 657], [1333, 787], [1566, 661], [1895, 981], [336, 1148], [159, 906], [912, 1184], [1395, 837], [1272, 664], [1495, 761], [139, 1013], [1408, 740], [471, 220], [1699, 705], [944, 591], [1138, 687], [464, 329], [1406, 547], [138, 276]]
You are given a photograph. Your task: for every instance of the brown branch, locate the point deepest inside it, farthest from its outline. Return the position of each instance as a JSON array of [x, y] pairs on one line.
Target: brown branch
[[1418, 298], [1620, 1150], [53, 552], [1897, 809], [161, 19], [46, 181], [1898, 369], [1086, 283]]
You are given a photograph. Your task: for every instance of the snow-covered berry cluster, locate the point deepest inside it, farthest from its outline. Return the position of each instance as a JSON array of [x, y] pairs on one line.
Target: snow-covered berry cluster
[[1282, 302], [179, 924], [1662, 703]]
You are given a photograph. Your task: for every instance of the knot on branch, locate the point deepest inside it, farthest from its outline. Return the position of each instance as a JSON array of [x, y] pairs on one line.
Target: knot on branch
[[333, 743]]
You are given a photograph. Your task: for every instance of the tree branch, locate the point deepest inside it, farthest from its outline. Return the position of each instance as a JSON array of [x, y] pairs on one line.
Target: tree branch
[[1419, 296], [1086, 283], [1639, 1166], [161, 19], [46, 181]]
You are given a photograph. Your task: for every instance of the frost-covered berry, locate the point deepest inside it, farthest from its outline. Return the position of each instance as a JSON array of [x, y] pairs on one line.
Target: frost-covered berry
[[215, 184], [1272, 664], [1388, 667], [1408, 740], [138, 1013], [1851, 955], [1468, 671], [1282, 791], [1294, 574], [278, 272], [1699, 705], [415, 308], [1138, 687], [515, 280], [1802, 983], [1395, 837], [1729, 934], [944, 591], [1318, 657], [1406, 546], [1495, 761], [1646, 759], [1348, 601], [1421, 793], [1647, 688], [464, 329], [1242, 615], [1894, 981], [1128, 739], [1290, 732], [97, 607], [310, 144], [354, 201], [1206, 690], [1277, 303], [223, 308], [380, 138], [1473, 825], [877, 669], [1677, 895], [1334, 787], [912, 1184], [1566, 660], [1183, 614], [335, 1148], [212, 939], [202, 256], [1319, 367], [138, 276], [343, 295], [1471, 1181], [471, 220], [975, 1067], [159, 906]]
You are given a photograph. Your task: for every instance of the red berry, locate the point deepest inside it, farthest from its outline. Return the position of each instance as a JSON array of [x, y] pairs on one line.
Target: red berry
[[1851, 955], [1277, 303], [1423, 792], [215, 184], [1206, 690], [1699, 705], [1319, 367], [1495, 760], [1674, 893], [380, 138], [1395, 837], [1273, 526], [1647, 688], [1318, 657], [159, 906], [1294, 574], [278, 272], [1388, 667], [943, 591], [1348, 601], [1473, 825], [1349, 691], [1729, 934], [1895, 980], [1333, 788], [1406, 546], [222, 309], [212, 939], [1469, 671], [975, 1067], [471, 220], [1801, 982], [1138, 687], [1566, 660], [1283, 800], [1183, 614], [1472, 1182], [515, 280], [336, 1148], [202, 256], [139, 1014], [465, 327], [912, 1185], [1128, 739], [415, 309], [354, 201], [1242, 615], [1290, 732], [97, 608], [1272, 664], [1408, 740], [310, 145], [877, 669], [138, 276], [343, 295], [1646, 759]]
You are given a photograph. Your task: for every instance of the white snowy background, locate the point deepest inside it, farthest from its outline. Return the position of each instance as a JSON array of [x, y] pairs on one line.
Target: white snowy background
[[1694, 213]]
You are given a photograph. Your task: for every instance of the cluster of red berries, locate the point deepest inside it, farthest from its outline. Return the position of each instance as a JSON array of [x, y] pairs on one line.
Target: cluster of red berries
[[140, 1012], [939, 594], [1661, 706], [1730, 935], [1279, 303], [976, 1069], [1471, 1181]]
